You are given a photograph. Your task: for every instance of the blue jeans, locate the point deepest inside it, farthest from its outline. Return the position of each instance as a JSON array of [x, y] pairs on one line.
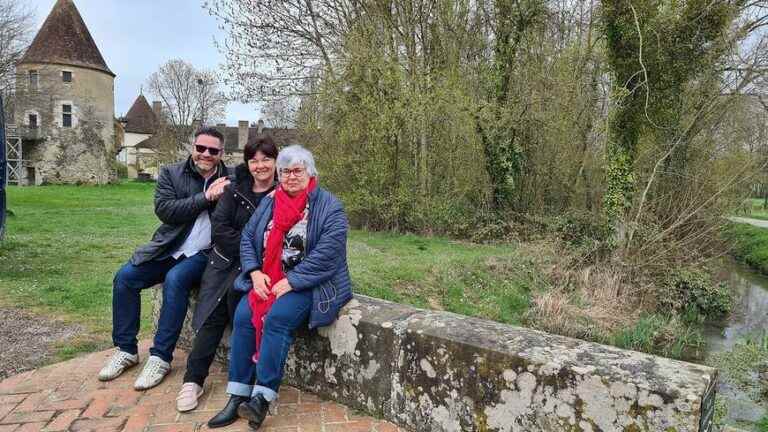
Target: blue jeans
[[288, 313], [178, 276]]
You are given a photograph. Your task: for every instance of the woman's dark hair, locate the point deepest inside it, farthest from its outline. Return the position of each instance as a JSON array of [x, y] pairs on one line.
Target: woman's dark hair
[[260, 143]]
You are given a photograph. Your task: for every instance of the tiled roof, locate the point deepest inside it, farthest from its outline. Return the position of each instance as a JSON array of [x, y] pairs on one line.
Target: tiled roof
[[140, 118], [149, 143], [64, 39], [282, 137]]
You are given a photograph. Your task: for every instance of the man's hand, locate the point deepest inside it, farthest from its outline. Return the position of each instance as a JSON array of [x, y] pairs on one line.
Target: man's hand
[[281, 287], [216, 188], [260, 284]]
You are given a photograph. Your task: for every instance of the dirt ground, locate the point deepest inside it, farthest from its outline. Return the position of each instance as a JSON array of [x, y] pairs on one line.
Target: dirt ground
[[28, 341]]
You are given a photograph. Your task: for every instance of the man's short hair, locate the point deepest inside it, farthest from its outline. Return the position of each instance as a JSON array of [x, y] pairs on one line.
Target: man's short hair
[[210, 131]]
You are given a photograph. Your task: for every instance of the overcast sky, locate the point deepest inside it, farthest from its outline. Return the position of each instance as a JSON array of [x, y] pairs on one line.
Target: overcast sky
[[137, 36]]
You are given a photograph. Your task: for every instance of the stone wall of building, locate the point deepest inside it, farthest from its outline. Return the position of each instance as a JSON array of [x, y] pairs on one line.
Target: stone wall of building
[[82, 153], [437, 371]]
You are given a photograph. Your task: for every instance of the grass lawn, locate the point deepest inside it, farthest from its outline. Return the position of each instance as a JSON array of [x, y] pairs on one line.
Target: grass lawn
[[750, 244], [64, 244], [489, 281], [62, 247]]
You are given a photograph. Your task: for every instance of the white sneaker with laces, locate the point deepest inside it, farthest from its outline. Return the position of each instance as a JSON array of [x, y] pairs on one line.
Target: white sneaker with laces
[[153, 373], [188, 395], [119, 363]]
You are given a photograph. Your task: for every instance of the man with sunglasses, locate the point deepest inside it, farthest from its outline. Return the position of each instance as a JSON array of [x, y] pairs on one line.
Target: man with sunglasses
[[185, 195]]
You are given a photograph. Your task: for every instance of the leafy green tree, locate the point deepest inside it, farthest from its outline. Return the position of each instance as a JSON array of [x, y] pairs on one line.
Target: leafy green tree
[[663, 56]]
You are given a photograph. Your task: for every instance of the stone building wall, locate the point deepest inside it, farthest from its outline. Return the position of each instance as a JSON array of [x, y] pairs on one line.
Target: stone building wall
[[442, 372], [82, 153]]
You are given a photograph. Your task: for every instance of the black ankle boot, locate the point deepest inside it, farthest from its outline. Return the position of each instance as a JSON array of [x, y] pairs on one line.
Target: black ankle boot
[[255, 410], [228, 415]]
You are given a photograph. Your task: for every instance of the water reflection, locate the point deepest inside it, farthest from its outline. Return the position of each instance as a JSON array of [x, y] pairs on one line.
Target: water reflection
[[749, 318], [750, 312]]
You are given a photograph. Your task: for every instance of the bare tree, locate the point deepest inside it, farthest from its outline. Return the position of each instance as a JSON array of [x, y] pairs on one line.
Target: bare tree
[[280, 113], [16, 23], [187, 94], [275, 47]]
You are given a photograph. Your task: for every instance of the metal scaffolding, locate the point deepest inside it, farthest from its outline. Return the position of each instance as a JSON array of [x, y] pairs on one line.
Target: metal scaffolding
[[2, 169], [14, 155]]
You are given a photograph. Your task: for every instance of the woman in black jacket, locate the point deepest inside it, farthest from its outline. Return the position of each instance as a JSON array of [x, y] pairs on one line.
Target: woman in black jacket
[[217, 300]]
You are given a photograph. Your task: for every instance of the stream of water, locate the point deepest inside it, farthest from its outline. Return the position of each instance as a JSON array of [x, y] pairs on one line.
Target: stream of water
[[749, 319]]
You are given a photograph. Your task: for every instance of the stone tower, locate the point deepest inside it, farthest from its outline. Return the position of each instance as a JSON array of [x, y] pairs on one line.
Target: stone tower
[[65, 104]]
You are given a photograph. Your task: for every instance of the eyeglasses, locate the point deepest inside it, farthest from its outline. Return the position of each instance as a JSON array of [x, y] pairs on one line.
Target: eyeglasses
[[296, 172], [213, 151]]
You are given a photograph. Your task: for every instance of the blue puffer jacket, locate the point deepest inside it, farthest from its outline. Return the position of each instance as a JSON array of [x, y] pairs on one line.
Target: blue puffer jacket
[[324, 268]]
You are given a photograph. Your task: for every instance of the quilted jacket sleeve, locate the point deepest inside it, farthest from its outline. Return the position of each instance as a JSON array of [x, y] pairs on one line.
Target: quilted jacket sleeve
[[250, 258], [320, 263]]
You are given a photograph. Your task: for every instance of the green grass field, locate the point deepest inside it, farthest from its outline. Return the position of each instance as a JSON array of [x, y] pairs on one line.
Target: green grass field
[[64, 243], [750, 245], [62, 247]]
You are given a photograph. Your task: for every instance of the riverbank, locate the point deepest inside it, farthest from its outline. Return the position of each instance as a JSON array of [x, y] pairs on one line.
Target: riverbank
[[744, 360], [738, 347], [749, 244]]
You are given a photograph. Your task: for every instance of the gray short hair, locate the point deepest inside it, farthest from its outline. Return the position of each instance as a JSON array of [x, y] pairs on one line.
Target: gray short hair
[[296, 154]]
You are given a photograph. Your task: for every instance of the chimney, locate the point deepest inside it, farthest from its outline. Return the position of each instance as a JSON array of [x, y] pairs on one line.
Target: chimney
[[242, 134], [261, 126], [157, 108]]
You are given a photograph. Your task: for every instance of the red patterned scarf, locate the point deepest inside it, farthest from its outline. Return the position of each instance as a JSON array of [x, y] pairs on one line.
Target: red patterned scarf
[[286, 212]]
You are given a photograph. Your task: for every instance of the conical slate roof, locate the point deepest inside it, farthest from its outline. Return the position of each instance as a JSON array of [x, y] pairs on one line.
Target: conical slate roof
[[65, 39], [140, 118]]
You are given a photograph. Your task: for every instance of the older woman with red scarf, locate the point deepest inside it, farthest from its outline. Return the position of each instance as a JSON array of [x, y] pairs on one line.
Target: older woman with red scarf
[[294, 260]]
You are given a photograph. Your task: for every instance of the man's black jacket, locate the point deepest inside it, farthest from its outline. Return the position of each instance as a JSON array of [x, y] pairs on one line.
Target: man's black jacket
[[179, 199]]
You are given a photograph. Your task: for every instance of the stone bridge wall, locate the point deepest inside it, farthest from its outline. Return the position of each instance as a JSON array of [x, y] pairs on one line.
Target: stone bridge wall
[[437, 371]]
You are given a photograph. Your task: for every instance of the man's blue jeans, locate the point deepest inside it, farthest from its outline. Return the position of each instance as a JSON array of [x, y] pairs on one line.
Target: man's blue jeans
[[288, 313], [178, 276]]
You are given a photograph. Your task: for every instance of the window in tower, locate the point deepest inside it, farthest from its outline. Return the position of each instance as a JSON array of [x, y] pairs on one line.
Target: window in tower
[[66, 116], [34, 79]]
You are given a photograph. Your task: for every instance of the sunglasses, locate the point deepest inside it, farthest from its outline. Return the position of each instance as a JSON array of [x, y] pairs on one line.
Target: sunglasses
[[213, 151]]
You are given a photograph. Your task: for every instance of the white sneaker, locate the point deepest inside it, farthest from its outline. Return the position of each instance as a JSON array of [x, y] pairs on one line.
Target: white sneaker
[[119, 363], [153, 373], [188, 395]]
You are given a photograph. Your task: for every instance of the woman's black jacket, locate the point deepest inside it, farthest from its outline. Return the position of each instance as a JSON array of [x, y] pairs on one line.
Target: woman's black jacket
[[235, 207]]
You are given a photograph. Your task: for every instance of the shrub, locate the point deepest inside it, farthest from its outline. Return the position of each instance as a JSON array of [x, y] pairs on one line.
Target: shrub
[[693, 294], [590, 236], [121, 169], [579, 228]]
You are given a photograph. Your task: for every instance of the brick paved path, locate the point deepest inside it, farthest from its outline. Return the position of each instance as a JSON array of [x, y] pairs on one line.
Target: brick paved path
[[68, 397]]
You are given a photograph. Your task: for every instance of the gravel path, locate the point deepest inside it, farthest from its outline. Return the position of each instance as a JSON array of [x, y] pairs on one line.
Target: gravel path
[[27, 340]]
